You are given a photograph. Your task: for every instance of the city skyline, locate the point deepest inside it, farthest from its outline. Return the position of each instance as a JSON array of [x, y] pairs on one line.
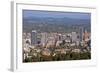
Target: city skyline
[[56, 36]]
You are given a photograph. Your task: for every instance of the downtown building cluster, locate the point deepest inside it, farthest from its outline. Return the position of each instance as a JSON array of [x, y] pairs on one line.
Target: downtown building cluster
[[51, 38], [51, 41]]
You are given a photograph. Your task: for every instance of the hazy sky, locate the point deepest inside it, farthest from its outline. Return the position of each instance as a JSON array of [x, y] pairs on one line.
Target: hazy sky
[[34, 13]]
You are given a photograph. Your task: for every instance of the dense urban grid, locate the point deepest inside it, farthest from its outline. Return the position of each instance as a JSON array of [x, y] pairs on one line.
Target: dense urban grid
[[56, 46]]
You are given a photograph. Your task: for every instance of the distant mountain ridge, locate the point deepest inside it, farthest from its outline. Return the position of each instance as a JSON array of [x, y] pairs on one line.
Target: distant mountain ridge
[[50, 20], [65, 23]]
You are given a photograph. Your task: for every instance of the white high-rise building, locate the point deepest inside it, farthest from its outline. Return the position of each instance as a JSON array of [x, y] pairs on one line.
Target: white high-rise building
[[74, 37], [44, 38]]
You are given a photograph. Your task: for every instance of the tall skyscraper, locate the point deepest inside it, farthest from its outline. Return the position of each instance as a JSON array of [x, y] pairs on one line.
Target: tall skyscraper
[[74, 37], [81, 33], [44, 38], [33, 37]]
